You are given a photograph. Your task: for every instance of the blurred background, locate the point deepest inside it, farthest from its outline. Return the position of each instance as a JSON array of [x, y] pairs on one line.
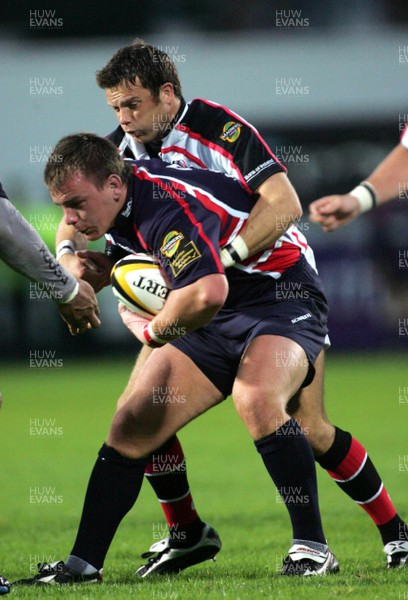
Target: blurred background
[[325, 83]]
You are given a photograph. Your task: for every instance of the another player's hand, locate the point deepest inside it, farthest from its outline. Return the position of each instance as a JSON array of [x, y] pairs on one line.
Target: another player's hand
[[82, 312], [332, 212], [133, 322], [93, 267]]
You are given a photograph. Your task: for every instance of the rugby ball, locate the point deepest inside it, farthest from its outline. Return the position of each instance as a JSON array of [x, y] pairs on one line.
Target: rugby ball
[[138, 283]]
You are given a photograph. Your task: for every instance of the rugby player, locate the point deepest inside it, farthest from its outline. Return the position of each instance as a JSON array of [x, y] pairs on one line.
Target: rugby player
[[217, 334], [24, 251], [143, 88], [384, 184]]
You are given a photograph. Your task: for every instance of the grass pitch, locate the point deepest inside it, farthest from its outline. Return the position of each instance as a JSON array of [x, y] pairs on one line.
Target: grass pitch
[[54, 420]]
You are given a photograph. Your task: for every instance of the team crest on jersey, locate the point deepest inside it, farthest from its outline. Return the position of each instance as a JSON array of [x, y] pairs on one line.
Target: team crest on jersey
[[171, 243], [179, 251], [231, 131]]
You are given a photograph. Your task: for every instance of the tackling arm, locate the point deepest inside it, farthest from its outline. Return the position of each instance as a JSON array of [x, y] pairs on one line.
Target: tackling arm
[[276, 208]]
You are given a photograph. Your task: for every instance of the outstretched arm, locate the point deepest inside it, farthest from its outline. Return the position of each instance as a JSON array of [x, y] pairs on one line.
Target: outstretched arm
[[384, 183], [23, 250]]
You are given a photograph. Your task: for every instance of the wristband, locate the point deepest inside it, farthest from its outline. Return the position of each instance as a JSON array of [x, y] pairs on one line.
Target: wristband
[[235, 252], [366, 196], [71, 296], [151, 338], [65, 247]]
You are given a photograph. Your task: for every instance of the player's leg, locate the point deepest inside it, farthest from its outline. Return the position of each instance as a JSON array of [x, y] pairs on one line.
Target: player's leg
[[166, 472], [348, 463], [261, 391], [137, 429]]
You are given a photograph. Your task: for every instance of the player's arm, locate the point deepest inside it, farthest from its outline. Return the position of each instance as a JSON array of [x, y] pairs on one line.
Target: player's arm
[[251, 161], [186, 309], [192, 267], [71, 250], [277, 207], [23, 250], [381, 186]]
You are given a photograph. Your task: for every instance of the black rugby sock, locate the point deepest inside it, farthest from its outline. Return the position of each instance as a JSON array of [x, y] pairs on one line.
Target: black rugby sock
[[348, 463], [113, 488], [290, 463]]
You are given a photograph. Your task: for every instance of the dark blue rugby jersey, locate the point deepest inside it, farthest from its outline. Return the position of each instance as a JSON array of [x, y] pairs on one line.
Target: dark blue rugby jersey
[[183, 216], [2, 192]]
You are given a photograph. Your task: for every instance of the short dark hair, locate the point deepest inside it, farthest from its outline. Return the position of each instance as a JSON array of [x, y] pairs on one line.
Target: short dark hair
[[150, 64], [95, 157]]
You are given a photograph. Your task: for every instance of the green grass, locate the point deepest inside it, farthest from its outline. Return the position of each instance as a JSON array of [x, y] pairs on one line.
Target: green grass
[[231, 489]]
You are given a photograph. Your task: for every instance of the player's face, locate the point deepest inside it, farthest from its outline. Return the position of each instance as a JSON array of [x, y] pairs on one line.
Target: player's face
[[89, 209], [140, 115]]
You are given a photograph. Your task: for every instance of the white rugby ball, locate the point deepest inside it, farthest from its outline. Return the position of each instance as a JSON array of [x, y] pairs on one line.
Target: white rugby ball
[[138, 283]]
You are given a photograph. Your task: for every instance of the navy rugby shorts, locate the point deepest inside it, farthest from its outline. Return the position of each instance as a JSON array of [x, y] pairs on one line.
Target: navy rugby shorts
[[294, 307]]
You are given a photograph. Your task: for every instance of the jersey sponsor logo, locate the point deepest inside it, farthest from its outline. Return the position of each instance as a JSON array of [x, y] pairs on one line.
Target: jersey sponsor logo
[[258, 169], [231, 131], [171, 243], [187, 254]]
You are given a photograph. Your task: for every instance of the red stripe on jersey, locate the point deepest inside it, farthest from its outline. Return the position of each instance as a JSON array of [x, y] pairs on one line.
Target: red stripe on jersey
[[296, 235], [219, 149], [141, 174], [239, 118], [278, 261], [140, 238], [211, 206], [183, 151], [351, 464], [226, 236]]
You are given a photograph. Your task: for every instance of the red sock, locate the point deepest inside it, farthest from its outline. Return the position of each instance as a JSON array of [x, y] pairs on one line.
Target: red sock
[[167, 474]]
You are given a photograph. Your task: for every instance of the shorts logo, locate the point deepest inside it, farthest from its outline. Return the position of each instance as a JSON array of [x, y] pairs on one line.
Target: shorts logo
[[231, 131], [171, 243], [301, 318]]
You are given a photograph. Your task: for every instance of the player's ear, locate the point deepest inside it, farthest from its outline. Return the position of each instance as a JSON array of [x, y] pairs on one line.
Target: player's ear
[[167, 91], [116, 185]]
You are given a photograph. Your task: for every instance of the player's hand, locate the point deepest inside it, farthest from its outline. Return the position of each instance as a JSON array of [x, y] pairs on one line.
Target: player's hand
[[97, 267], [133, 322], [332, 212], [93, 267], [82, 312]]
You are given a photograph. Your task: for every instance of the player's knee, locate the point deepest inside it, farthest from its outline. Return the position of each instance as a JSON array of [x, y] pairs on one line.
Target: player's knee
[[123, 429], [127, 429], [262, 413]]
